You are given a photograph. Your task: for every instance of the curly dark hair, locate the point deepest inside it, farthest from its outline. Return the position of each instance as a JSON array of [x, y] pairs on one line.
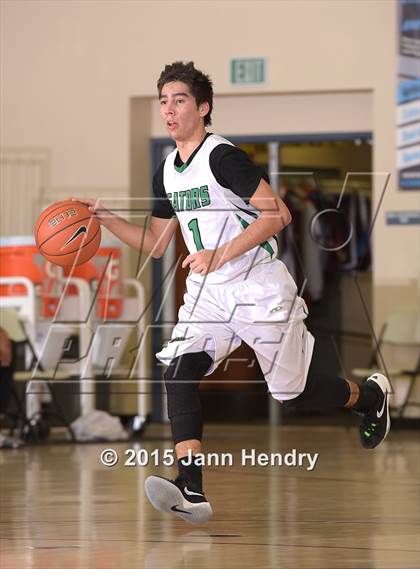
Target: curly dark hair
[[199, 83]]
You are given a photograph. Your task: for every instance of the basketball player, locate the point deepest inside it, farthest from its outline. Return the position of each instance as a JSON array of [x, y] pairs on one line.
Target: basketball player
[[237, 290]]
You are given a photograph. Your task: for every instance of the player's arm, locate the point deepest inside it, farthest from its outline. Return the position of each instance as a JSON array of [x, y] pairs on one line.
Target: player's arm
[[152, 240]]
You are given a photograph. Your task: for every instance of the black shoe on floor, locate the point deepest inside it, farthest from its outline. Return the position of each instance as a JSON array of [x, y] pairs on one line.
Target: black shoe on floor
[[179, 498], [376, 422]]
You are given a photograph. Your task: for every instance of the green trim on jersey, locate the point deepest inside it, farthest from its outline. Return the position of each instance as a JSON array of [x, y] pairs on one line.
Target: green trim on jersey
[[181, 168], [265, 244], [184, 165]]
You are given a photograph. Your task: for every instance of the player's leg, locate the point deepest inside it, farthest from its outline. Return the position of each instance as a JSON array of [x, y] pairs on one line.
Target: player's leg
[[287, 370], [199, 342], [182, 379], [184, 496], [371, 400]]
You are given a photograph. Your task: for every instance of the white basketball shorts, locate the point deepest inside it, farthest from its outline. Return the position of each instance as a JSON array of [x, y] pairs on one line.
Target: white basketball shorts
[[262, 310]]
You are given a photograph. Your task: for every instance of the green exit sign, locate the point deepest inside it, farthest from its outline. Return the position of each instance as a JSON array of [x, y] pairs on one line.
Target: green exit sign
[[247, 70]]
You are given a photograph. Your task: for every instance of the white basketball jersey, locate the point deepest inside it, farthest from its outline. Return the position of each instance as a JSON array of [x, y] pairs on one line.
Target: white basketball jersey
[[211, 215]]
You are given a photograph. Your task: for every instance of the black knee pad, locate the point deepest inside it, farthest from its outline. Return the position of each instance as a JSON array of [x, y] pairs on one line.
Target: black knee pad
[[182, 379]]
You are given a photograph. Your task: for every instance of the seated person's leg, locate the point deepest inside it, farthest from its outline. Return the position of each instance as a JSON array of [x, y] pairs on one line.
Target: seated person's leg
[[7, 368]]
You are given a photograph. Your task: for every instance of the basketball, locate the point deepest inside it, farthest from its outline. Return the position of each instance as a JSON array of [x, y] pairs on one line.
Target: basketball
[[67, 233]]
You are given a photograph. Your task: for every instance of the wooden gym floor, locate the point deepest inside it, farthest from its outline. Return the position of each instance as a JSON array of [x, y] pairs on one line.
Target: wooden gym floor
[[61, 508]]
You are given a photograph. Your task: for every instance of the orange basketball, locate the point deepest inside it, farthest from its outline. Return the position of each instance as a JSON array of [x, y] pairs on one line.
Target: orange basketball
[[67, 233]]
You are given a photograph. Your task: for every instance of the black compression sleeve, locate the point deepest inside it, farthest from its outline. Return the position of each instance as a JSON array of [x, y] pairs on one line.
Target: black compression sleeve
[[182, 379], [321, 392], [233, 169]]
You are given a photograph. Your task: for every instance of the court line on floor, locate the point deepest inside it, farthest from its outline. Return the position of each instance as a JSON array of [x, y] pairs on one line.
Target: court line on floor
[[177, 542]]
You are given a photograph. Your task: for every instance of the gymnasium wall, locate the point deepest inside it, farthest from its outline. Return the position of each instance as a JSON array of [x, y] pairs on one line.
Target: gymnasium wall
[[285, 113], [70, 69]]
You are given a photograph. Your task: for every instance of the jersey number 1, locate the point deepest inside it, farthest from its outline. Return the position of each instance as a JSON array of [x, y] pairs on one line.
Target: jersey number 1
[[193, 225]]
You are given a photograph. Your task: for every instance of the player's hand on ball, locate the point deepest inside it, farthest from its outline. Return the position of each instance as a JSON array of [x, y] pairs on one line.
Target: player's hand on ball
[[204, 261], [95, 207]]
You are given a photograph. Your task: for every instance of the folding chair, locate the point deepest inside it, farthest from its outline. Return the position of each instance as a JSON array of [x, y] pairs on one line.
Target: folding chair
[[398, 342], [10, 322]]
